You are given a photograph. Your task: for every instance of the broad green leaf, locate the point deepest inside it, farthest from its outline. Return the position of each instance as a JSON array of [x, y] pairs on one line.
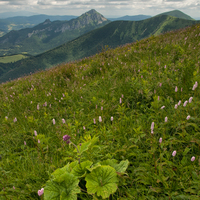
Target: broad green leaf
[[121, 167], [80, 169], [67, 168], [93, 167], [85, 146], [102, 180], [65, 188]]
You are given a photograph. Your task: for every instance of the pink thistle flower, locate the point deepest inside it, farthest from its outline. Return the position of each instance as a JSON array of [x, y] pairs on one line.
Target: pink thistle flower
[[100, 119], [185, 103], [193, 158], [188, 117], [160, 140], [190, 99], [174, 153], [35, 132], [40, 192]]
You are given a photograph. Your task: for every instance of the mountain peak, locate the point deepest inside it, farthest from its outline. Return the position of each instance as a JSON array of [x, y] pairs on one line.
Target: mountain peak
[[47, 21]]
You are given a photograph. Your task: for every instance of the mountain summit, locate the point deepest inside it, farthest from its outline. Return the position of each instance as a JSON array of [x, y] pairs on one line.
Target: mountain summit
[[48, 35]]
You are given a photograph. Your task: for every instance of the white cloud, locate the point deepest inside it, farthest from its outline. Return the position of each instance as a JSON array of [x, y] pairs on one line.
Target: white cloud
[[106, 7]]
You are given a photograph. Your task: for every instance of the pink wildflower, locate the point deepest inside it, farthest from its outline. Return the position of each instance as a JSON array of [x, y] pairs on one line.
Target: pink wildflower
[[40, 192], [193, 158], [174, 153]]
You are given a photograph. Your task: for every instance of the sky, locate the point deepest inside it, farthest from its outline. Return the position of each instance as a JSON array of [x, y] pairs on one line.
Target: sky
[[108, 8]]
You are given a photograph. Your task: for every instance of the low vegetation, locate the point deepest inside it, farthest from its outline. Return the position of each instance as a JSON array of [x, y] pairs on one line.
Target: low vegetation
[[135, 106], [13, 58]]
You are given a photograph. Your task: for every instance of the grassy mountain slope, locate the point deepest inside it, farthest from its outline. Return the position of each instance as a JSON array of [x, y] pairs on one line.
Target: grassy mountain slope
[[113, 34], [178, 14], [153, 80], [48, 35]]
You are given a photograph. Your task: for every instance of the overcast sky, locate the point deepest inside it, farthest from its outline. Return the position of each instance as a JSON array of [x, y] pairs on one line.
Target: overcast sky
[[108, 8]]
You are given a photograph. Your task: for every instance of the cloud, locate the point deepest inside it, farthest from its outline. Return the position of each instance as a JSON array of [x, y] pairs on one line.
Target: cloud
[[119, 7]]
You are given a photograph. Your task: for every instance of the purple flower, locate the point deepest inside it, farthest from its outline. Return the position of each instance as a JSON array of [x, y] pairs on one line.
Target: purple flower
[[111, 118], [176, 89], [162, 107], [24, 142], [54, 121], [63, 121], [179, 103], [94, 121], [160, 140], [193, 158], [40, 192], [66, 137], [166, 119], [174, 153], [176, 106], [120, 100]]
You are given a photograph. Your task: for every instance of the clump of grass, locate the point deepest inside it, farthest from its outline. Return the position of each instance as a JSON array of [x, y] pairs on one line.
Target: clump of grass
[[131, 83]]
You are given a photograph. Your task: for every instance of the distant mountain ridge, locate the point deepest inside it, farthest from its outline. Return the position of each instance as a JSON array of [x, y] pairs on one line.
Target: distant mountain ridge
[[131, 18], [178, 14], [113, 34], [48, 35]]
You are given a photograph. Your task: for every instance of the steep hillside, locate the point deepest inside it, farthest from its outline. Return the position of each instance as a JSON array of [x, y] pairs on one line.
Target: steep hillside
[[113, 34], [48, 35], [121, 125]]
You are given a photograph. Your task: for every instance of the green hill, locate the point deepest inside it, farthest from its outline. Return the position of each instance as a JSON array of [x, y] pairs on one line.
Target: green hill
[[113, 34], [178, 14], [123, 124], [48, 35]]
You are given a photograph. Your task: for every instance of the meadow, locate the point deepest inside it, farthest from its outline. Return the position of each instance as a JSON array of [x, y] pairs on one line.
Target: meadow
[[12, 58], [130, 115]]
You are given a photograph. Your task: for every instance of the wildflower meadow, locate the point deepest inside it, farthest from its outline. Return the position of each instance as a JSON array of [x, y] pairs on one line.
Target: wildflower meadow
[[123, 124]]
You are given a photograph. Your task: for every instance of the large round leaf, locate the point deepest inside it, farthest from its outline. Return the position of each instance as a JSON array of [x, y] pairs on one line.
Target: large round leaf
[[102, 180]]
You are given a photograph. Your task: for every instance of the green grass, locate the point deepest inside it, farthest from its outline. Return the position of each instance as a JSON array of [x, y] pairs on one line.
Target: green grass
[[144, 76], [13, 58]]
